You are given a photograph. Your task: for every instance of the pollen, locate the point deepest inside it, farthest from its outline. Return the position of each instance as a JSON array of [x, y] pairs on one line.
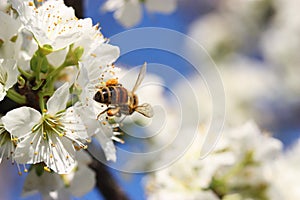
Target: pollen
[[30, 3], [47, 169]]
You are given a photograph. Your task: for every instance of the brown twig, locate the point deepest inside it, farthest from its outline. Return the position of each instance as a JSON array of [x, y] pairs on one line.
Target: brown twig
[[106, 183], [77, 5]]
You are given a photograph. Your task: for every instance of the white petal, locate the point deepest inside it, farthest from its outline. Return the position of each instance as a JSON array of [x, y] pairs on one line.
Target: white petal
[[63, 152], [165, 6], [130, 14], [105, 54], [20, 121], [74, 125], [112, 5], [107, 146], [82, 78], [30, 150], [2, 92], [83, 182], [59, 99], [45, 183], [12, 72], [11, 26], [57, 58], [83, 158]]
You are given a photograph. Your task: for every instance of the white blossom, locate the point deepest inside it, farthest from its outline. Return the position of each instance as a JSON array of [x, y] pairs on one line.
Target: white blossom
[[284, 175], [52, 23], [49, 137], [53, 186], [240, 158], [129, 12], [90, 109]]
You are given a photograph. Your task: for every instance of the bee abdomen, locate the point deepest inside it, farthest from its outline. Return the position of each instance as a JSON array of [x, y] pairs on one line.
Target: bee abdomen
[[103, 96], [119, 95], [112, 95]]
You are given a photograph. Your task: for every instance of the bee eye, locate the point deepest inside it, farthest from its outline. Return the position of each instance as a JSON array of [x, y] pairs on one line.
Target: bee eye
[[105, 93]]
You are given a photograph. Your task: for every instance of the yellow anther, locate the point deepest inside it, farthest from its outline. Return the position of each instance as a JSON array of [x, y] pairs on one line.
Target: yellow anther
[[47, 169]]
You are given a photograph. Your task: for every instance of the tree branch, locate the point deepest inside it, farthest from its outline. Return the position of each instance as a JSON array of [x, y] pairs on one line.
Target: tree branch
[[106, 183]]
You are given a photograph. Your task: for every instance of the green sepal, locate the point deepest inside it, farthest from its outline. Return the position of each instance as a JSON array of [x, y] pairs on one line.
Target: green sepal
[[73, 56], [39, 59], [46, 49]]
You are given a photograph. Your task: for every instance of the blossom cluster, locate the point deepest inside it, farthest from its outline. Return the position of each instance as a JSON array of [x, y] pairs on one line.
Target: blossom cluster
[[250, 41], [51, 66], [245, 164]]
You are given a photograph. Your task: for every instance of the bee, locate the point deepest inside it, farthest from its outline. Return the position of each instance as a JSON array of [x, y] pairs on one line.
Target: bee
[[121, 101]]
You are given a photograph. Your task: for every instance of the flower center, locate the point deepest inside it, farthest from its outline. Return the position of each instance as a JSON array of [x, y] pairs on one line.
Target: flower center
[[52, 125]]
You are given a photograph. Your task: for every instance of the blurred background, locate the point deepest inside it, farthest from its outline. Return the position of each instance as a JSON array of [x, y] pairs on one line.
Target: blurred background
[[255, 46]]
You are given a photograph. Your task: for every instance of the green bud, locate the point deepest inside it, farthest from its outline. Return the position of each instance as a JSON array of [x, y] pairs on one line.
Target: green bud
[[21, 81]]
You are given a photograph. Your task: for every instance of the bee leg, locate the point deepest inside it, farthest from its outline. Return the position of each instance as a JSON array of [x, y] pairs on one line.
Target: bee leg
[[113, 111], [98, 116]]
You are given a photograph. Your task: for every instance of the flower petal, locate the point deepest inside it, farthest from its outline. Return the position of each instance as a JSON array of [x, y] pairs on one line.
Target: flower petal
[[2, 92], [59, 99], [20, 121], [83, 181], [45, 183], [12, 72], [61, 155], [130, 14], [165, 6]]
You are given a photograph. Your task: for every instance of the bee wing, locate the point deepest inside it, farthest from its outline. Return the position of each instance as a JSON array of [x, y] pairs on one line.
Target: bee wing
[[145, 109], [140, 77]]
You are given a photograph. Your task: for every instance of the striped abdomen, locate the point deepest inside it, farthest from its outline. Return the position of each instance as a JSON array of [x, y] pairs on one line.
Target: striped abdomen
[[115, 95]]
